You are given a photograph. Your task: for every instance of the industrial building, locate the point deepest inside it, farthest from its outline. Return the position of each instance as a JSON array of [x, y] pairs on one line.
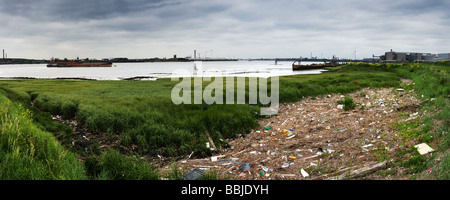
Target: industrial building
[[392, 56], [443, 56]]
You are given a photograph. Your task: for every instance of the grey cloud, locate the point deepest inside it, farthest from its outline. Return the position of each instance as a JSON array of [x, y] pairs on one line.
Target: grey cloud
[[244, 28]]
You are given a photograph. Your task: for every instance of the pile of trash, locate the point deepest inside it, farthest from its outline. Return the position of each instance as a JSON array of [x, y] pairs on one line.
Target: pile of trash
[[316, 138]]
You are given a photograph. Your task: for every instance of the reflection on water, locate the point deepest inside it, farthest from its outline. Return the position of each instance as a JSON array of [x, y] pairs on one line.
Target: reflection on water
[[155, 70]]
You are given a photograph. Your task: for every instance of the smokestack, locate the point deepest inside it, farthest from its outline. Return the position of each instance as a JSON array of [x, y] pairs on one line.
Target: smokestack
[[3, 54], [195, 53]]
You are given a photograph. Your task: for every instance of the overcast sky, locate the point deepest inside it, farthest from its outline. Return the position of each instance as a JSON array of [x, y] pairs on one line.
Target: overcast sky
[[231, 28]]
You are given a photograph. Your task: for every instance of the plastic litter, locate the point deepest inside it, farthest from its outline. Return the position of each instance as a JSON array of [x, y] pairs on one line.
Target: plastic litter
[[195, 174], [285, 165], [423, 148], [304, 173], [245, 166]]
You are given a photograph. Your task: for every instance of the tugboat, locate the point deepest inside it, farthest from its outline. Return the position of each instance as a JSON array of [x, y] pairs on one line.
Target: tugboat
[[79, 63]]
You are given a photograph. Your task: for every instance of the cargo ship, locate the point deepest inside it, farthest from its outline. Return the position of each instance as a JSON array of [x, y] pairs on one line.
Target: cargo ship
[[78, 63]]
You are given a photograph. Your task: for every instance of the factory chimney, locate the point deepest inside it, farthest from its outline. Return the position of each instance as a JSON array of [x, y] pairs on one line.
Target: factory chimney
[[3, 54], [195, 54]]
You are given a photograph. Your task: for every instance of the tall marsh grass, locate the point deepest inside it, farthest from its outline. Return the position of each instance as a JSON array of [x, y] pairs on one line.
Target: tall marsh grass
[[28, 153]]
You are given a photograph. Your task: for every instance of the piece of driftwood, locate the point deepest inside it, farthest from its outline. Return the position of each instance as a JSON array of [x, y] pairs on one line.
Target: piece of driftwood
[[358, 173], [362, 171]]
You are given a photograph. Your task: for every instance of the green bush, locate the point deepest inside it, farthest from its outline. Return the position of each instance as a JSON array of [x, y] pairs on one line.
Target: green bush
[[348, 103], [69, 109]]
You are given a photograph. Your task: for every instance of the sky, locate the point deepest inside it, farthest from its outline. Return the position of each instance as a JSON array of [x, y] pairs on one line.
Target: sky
[[216, 28]]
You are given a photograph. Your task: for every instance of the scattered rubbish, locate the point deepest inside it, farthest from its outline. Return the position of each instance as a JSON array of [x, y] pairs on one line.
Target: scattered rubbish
[[195, 174], [245, 166], [304, 173], [290, 137], [369, 145], [329, 151], [429, 171], [303, 132], [400, 89], [423, 148]]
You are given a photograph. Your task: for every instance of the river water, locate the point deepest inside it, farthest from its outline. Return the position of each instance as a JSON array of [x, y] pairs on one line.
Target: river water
[[120, 71]]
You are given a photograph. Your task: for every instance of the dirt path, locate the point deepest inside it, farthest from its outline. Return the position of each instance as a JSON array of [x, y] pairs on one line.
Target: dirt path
[[315, 139]]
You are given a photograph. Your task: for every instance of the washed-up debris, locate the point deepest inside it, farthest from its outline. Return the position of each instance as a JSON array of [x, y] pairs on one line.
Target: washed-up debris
[[423, 148], [304, 173], [195, 174], [245, 166], [314, 132]]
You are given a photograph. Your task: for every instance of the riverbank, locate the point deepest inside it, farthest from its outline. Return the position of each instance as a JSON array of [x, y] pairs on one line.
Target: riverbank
[[136, 122]]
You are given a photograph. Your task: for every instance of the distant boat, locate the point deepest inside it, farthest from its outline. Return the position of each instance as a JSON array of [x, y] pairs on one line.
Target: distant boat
[[79, 64]]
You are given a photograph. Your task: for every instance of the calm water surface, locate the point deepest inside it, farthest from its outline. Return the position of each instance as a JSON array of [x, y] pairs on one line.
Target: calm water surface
[[157, 69]]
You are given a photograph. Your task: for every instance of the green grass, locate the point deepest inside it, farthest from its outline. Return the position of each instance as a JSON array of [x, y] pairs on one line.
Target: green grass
[[114, 166], [28, 153], [141, 114]]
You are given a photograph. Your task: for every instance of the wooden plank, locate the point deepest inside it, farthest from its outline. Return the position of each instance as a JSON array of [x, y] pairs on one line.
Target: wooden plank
[[359, 172]]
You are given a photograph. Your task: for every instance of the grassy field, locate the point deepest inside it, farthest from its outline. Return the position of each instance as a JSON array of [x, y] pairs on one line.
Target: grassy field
[[140, 114]]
